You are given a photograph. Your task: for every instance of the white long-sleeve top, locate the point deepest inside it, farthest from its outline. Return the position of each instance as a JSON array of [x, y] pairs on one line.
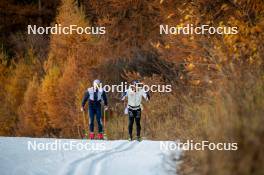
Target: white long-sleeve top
[[135, 97]]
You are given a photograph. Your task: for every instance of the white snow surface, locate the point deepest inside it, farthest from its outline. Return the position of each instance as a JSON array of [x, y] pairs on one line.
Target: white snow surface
[[118, 157]]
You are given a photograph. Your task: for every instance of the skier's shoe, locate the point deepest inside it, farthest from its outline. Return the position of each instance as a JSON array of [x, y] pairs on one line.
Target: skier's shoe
[[130, 138], [100, 136], [91, 136], [139, 138]]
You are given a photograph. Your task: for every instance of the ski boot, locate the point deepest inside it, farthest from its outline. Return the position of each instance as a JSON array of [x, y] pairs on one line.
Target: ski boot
[[139, 139], [91, 136], [130, 138], [100, 136]]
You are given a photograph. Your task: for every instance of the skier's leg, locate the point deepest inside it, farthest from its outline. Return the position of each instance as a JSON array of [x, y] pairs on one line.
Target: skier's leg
[[91, 121], [130, 123], [137, 118], [99, 119]]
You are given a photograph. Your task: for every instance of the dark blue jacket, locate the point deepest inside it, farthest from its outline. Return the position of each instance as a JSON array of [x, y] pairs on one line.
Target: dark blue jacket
[[94, 101]]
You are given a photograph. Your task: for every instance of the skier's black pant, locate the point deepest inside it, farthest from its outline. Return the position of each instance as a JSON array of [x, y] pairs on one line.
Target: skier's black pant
[[95, 110], [134, 115]]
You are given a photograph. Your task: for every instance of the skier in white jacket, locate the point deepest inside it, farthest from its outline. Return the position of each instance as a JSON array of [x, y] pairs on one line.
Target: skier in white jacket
[[134, 95]]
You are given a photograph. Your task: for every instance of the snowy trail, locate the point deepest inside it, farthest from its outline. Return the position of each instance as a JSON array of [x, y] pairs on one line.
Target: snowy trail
[[106, 158]]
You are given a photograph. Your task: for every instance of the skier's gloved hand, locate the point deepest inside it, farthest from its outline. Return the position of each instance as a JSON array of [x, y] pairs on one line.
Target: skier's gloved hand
[[126, 111], [106, 108]]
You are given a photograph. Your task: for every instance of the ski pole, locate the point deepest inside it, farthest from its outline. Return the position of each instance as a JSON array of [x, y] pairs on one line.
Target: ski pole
[[84, 127], [79, 125], [145, 121], [105, 135], [123, 129], [144, 129]]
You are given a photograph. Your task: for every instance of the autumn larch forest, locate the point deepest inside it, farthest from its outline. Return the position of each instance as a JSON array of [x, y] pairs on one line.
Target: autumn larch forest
[[217, 80]]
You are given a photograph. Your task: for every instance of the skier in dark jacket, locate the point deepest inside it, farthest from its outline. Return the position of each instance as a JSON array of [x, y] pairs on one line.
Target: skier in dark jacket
[[94, 95]]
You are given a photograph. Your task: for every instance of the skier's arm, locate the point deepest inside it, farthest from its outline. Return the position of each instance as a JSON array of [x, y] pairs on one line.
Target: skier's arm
[[85, 98], [146, 95], [104, 98]]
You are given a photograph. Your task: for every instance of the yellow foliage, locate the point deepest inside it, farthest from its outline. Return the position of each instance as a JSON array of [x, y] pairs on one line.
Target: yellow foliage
[[190, 66], [62, 45], [48, 95]]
